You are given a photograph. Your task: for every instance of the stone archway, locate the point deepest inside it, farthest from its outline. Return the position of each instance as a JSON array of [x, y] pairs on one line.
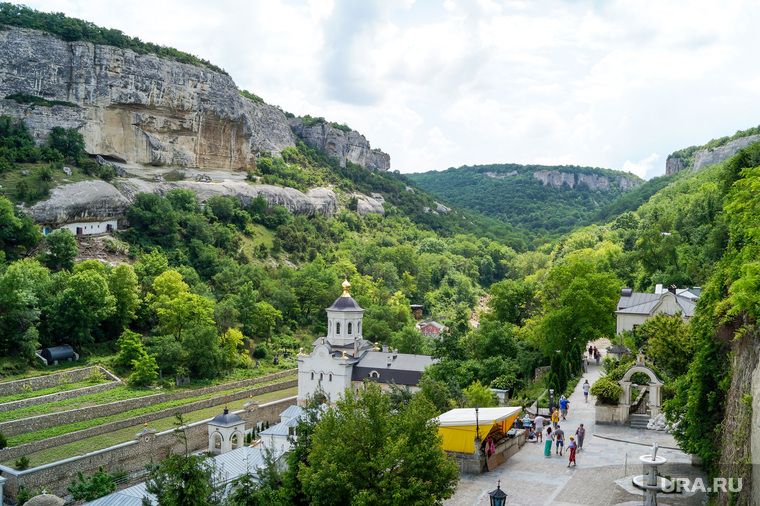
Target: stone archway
[[655, 386]]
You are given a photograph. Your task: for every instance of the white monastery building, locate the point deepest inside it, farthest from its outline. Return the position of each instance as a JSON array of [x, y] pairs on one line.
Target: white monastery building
[[634, 308], [343, 359]]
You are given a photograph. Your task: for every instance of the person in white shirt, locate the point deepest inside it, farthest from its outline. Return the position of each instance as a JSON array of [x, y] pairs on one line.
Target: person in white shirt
[[539, 421]]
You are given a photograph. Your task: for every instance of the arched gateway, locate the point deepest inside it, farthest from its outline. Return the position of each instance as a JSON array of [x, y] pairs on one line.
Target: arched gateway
[[654, 385]]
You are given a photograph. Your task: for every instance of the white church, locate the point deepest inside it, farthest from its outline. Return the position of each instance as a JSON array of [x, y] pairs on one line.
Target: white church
[[343, 359]]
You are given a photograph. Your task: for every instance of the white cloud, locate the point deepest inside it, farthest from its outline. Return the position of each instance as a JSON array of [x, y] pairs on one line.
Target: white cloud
[[642, 167]]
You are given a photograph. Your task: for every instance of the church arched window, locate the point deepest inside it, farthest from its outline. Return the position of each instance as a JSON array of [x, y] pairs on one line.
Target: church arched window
[[312, 375], [321, 376], [337, 327], [349, 328], [329, 377], [374, 374]]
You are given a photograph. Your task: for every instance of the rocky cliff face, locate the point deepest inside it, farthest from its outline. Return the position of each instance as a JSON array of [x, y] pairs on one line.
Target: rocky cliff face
[[556, 179], [707, 157], [137, 109], [673, 165], [98, 200], [345, 146]]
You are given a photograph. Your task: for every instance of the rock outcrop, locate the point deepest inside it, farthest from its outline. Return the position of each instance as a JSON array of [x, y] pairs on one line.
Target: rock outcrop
[[134, 108], [346, 146], [98, 200], [708, 157], [82, 201], [500, 175], [556, 179], [673, 165], [366, 205]]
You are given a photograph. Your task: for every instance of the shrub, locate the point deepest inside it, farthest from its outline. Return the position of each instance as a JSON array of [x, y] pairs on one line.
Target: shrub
[[22, 463], [96, 375], [260, 351], [3, 441], [607, 390]]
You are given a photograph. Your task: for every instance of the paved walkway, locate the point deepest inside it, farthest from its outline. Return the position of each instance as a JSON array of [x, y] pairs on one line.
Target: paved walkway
[[604, 471]]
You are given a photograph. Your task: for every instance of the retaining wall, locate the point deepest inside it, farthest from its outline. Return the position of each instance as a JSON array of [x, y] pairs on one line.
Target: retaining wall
[[59, 396], [131, 456], [35, 423], [49, 381], [15, 452]]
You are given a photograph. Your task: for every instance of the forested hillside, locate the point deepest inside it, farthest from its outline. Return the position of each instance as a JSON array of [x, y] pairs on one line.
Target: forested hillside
[[219, 289], [510, 193]]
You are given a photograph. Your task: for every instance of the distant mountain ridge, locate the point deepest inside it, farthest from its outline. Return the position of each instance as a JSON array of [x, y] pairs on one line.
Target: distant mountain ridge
[[537, 197]]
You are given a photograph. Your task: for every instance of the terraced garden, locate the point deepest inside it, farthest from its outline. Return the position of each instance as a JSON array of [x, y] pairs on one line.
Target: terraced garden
[[122, 436], [121, 404]]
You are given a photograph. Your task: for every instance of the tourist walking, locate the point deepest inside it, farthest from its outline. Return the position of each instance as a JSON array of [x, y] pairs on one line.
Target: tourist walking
[[571, 447], [581, 433], [549, 442], [555, 418], [586, 390], [597, 356], [559, 438], [564, 404], [539, 421]]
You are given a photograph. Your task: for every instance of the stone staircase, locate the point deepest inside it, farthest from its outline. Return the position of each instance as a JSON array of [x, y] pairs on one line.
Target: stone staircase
[[639, 421]]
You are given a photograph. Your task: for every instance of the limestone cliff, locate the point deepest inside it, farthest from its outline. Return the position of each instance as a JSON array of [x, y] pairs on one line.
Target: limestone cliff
[[556, 179], [98, 200], [707, 157], [134, 108], [346, 146], [673, 165]]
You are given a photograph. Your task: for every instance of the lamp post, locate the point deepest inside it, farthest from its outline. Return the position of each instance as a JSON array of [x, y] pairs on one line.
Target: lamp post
[[551, 401], [497, 497], [477, 424]]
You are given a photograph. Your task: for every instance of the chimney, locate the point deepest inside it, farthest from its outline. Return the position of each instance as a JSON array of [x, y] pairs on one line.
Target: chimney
[[390, 360], [385, 348], [658, 289], [395, 353], [672, 289]]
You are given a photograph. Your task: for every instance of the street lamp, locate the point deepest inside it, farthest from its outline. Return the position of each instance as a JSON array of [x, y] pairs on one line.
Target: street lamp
[[477, 425], [498, 497], [551, 400]]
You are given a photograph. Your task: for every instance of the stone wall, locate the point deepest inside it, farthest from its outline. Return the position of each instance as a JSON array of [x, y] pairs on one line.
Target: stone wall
[[59, 396], [50, 381], [131, 456], [15, 452], [40, 422]]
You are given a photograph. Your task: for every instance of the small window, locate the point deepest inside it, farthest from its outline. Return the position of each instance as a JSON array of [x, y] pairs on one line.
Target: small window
[[312, 376], [374, 374], [329, 377], [337, 328], [349, 328], [321, 376]]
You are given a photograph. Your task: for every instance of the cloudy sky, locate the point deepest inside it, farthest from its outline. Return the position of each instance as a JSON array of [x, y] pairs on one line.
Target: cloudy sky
[[618, 84]]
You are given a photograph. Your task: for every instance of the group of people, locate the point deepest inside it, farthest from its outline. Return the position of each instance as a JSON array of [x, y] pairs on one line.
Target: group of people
[[593, 352], [555, 435]]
